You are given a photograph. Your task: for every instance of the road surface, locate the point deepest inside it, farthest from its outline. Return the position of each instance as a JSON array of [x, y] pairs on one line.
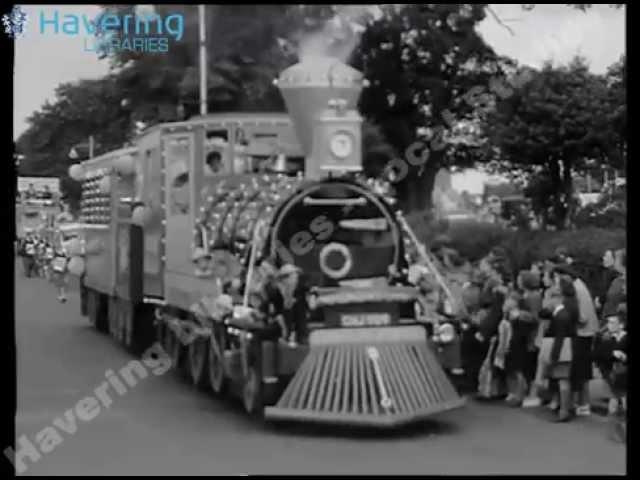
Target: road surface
[[162, 426]]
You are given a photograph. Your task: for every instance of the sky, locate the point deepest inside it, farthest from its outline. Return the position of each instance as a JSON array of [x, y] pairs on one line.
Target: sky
[[549, 32]]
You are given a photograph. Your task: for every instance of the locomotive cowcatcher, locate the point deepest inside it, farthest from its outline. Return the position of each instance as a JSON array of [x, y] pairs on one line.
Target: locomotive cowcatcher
[[250, 247]]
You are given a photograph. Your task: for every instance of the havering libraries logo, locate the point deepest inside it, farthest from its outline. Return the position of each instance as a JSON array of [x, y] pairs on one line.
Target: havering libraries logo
[[146, 32], [14, 22]]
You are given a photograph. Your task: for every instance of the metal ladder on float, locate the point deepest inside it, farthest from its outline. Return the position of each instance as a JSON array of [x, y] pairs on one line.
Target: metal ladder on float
[[429, 262]]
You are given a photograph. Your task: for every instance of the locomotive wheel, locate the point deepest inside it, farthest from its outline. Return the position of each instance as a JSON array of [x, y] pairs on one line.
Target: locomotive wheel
[[198, 351], [217, 380], [252, 391]]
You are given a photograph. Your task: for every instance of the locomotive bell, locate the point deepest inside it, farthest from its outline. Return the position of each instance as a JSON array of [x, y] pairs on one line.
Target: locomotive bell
[[310, 88]]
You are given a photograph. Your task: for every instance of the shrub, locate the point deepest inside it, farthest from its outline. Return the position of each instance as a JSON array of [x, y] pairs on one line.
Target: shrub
[[586, 245], [474, 239]]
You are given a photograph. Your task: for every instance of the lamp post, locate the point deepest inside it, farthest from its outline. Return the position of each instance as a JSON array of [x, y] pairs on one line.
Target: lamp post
[[203, 60]]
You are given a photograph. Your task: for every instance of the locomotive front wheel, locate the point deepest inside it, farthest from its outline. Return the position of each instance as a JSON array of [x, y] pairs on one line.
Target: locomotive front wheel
[[217, 381], [198, 362], [252, 391]]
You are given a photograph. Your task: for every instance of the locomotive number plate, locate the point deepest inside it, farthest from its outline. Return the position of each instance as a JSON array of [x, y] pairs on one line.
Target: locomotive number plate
[[365, 319]]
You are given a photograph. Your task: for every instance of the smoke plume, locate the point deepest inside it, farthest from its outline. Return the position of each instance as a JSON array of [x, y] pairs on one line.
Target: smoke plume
[[340, 35]]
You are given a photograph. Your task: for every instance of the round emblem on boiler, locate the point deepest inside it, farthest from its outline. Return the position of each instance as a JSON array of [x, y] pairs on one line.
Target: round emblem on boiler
[[335, 260], [341, 144]]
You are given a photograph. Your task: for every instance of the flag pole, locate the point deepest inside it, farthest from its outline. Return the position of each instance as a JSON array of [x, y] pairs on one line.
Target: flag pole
[[203, 60]]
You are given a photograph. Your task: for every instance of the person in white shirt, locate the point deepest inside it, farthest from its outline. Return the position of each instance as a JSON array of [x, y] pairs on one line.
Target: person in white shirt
[[588, 326]]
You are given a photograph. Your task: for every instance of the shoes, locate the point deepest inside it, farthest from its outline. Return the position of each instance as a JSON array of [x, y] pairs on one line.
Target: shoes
[[514, 402], [562, 417], [553, 405], [531, 402], [583, 411], [620, 432]]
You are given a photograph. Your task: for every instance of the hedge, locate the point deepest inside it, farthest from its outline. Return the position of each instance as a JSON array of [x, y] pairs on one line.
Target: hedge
[[586, 245]]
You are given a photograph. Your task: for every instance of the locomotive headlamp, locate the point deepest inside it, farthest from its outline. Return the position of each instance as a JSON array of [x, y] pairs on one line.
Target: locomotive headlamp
[[76, 172], [446, 333], [342, 144]]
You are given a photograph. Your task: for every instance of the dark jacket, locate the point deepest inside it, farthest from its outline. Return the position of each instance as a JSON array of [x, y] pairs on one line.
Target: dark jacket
[[563, 325], [295, 317], [492, 302], [604, 347], [615, 296], [603, 280]]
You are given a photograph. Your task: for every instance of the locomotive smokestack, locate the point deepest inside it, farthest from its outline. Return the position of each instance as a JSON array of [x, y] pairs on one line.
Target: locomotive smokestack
[[307, 88]]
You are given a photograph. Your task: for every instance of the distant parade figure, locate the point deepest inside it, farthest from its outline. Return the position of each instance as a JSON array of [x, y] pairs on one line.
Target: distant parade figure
[[30, 193], [27, 250], [65, 215], [59, 266], [49, 255], [46, 193]]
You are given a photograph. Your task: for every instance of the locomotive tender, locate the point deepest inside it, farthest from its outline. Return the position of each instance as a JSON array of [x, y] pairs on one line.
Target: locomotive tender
[[170, 223]]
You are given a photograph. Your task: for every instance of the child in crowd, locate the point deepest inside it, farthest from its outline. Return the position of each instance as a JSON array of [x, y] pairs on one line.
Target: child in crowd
[[611, 356], [610, 352]]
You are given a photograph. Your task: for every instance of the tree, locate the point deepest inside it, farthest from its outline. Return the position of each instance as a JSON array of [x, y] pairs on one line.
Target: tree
[[88, 107], [245, 45], [616, 79], [421, 61], [555, 122]]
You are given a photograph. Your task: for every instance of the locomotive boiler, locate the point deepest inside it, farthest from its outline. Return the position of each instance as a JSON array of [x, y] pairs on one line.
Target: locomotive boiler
[[186, 234]]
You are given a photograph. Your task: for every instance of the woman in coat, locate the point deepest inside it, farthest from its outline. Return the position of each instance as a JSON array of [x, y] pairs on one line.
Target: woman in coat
[[556, 351]]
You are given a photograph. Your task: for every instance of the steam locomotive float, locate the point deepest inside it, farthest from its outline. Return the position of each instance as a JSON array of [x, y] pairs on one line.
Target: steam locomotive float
[[182, 233]]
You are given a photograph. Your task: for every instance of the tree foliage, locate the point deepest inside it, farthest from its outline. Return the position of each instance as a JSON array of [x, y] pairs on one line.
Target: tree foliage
[[81, 109], [555, 122], [421, 60]]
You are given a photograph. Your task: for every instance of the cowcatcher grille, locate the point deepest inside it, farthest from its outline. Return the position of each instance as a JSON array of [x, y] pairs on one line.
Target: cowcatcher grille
[[368, 376]]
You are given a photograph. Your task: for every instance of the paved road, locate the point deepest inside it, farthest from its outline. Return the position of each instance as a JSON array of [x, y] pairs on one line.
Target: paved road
[[163, 427]]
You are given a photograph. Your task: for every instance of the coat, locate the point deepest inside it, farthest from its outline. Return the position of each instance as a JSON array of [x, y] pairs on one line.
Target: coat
[[562, 326], [615, 296], [588, 324]]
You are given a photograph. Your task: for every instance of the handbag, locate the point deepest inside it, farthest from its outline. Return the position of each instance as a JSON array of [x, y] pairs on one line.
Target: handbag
[[565, 351]]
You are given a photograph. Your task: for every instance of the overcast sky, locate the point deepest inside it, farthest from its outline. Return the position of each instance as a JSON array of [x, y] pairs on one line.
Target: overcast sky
[[550, 31]]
